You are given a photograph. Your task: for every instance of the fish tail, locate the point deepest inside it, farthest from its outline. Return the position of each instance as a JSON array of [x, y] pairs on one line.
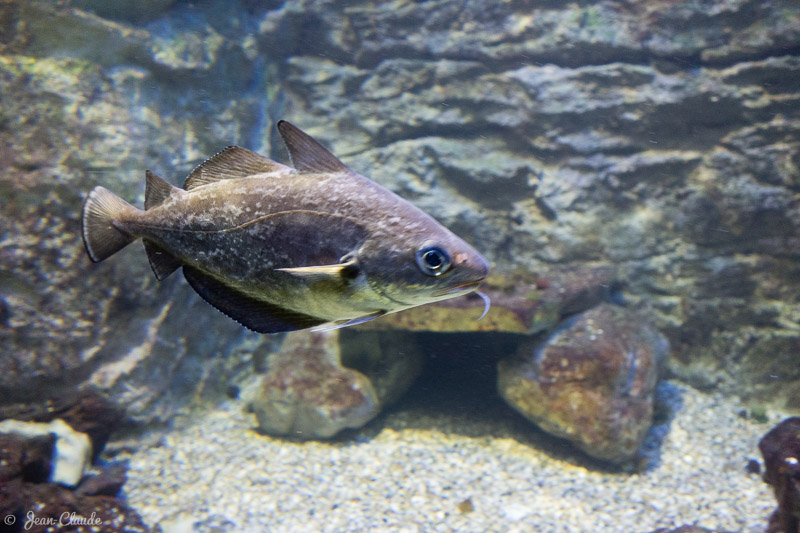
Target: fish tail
[[101, 236]]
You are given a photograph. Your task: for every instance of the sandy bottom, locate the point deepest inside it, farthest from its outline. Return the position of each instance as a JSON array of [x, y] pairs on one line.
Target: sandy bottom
[[423, 469]]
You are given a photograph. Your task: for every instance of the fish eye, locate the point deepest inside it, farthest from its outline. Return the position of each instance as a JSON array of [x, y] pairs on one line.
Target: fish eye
[[432, 260]]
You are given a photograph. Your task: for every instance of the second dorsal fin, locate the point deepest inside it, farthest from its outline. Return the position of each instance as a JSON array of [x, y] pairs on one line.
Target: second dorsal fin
[[231, 163], [307, 154]]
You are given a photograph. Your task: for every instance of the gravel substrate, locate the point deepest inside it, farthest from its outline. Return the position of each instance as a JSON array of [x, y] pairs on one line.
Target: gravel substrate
[[418, 470]]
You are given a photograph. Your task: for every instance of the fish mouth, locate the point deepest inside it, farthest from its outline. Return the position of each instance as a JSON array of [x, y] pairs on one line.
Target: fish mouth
[[467, 286]]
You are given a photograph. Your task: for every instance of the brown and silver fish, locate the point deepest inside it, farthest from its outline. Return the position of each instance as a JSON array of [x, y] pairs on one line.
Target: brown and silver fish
[[279, 248]]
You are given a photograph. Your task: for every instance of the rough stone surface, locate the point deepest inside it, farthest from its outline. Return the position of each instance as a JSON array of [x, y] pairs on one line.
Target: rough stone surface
[[27, 457], [25, 464], [87, 101], [660, 137], [85, 411], [781, 451], [592, 381], [522, 302], [307, 393]]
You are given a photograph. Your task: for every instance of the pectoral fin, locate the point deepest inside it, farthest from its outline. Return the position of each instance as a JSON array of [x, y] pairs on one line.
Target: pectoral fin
[[250, 312], [322, 272]]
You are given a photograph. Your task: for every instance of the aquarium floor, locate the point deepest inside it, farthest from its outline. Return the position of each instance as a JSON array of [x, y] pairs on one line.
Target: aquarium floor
[[422, 469]]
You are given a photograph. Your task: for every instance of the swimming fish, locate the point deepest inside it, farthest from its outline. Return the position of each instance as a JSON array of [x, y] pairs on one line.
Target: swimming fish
[[279, 248]]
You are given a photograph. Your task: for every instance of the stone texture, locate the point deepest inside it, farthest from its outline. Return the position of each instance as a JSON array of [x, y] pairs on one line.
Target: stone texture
[[318, 384], [659, 137], [781, 451], [591, 382], [85, 411], [307, 393], [522, 302], [88, 101], [656, 136], [24, 467]]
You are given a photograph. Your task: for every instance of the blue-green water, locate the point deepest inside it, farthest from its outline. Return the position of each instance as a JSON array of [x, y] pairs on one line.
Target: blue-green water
[[629, 171]]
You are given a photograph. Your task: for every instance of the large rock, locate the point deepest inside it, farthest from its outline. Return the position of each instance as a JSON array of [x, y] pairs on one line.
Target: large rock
[[592, 382], [522, 302], [781, 451], [26, 464], [308, 392], [318, 384]]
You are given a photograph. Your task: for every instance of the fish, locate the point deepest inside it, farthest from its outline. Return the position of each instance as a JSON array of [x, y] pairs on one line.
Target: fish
[[279, 248]]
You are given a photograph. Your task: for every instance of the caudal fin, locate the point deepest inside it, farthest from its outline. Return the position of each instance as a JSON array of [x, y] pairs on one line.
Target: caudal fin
[[101, 238]]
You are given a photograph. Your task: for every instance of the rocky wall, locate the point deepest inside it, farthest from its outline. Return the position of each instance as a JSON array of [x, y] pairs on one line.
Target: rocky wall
[[661, 137]]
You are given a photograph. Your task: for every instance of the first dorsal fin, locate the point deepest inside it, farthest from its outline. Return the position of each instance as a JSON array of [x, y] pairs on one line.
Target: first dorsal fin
[[308, 155], [231, 163], [156, 190]]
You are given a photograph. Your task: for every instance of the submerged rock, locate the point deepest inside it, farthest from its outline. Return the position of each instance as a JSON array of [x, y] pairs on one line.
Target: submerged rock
[[307, 393], [26, 457], [320, 383], [72, 452], [25, 466], [591, 382], [86, 411], [781, 451], [522, 302]]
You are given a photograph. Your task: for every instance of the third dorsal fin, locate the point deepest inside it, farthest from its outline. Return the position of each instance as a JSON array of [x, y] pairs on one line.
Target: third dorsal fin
[[231, 163], [156, 190], [308, 155]]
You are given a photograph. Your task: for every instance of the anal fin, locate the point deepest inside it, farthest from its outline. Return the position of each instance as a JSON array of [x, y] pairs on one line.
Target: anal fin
[[254, 314], [162, 263]]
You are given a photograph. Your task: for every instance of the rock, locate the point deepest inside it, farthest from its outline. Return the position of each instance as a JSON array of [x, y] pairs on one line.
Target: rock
[[82, 106], [86, 411], [390, 360], [72, 453], [560, 134], [134, 10], [25, 492], [591, 382], [319, 384], [307, 393], [107, 483], [522, 302], [53, 502], [780, 448], [26, 458], [553, 136]]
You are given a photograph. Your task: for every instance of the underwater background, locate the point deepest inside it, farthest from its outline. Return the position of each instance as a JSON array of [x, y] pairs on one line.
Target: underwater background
[[631, 169]]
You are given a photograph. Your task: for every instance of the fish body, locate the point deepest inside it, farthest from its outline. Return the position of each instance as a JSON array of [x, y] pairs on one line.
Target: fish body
[[280, 248]]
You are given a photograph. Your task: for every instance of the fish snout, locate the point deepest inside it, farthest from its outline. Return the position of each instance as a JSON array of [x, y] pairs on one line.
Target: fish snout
[[473, 265]]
